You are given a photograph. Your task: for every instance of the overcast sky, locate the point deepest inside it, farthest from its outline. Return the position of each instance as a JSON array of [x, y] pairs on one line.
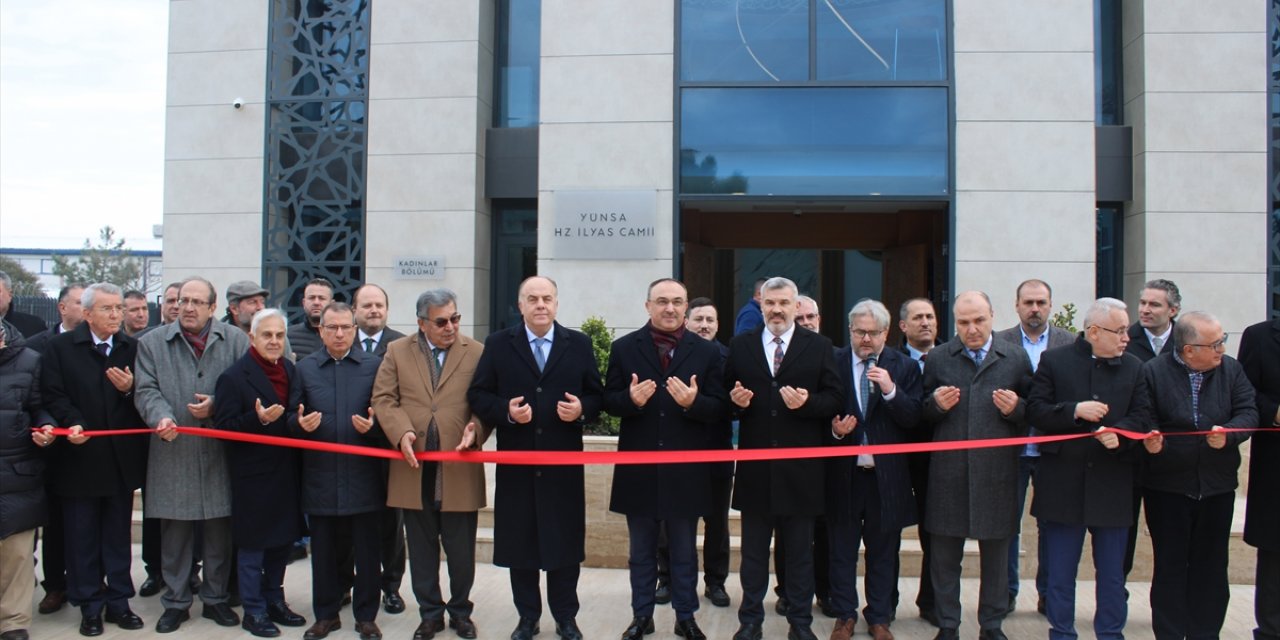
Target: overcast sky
[[82, 107]]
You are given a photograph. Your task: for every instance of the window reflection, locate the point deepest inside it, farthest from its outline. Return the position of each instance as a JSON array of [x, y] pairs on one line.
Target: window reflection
[[517, 63], [744, 40], [864, 41]]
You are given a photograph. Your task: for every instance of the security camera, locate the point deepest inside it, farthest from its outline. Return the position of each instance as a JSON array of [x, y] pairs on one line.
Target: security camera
[[238, 103]]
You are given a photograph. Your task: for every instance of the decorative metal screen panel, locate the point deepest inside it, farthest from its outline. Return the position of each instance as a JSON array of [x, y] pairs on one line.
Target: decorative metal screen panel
[[317, 92], [1273, 239]]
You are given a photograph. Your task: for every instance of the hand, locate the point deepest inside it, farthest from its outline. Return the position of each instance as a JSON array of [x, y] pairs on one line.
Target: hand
[[520, 412], [843, 426], [468, 438], [361, 423], [570, 408], [406, 448], [882, 379], [683, 394], [202, 408], [794, 398], [269, 414], [641, 391], [1154, 442], [1005, 400], [77, 435], [122, 380], [167, 430], [43, 436], [741, 395], [946, 397], [1091, 411], [308, 421], [1216, 440], [1109, 439]]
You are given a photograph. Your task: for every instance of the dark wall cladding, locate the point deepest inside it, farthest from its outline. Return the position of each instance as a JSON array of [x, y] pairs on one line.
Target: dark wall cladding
[[317, 99], [1273, 238]]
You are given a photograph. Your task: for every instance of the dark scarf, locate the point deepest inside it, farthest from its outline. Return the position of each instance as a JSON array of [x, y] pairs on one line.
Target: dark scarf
[[276, 375], [665, 343], [198, 340]]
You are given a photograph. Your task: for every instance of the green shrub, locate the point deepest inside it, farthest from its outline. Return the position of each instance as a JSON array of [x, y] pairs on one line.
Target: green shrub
[[601, 342]]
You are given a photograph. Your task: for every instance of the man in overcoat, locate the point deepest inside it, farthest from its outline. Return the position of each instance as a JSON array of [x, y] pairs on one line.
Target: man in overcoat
[[188, 480], [538, 384], [1260, 357], [869, 499], [975, 388], [784, 386], [1087, 485], [87, 385], [664, 382], [420, 398]]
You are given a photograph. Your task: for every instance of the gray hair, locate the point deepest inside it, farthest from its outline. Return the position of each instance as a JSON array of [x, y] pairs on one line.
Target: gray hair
[[873, 308], [1101, 310], [435, 298], [1170, 290], [272, 312], [91, 292], [807, 300], [8, 282], [1187, 328], [779, 282]]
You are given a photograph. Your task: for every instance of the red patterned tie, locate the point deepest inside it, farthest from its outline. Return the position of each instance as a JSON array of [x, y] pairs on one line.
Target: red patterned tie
[[777, 354]]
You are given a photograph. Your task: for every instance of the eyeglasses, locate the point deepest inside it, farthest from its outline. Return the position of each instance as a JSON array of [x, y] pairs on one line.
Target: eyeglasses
[[674, 302], [192, 302], [863, 335], [441, 323], [1220, 345], [338, 328], [1118, 332], [119, 308]]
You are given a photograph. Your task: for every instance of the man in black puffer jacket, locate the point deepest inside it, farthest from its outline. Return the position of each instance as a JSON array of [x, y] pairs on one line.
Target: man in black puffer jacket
[[22, 502]]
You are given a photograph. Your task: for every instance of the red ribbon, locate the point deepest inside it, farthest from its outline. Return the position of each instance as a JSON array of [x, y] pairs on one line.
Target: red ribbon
[[578, 458]]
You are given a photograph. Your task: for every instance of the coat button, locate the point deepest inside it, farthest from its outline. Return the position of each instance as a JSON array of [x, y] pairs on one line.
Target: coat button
[[662, 414], [773, 443], [537, 474], [539, 389], [1095, 396], [774, 384], [774, 413], [200, 374], [538, 431]]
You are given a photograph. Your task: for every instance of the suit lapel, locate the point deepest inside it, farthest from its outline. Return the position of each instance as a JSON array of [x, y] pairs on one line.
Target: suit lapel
[[451, 359], [791, 352], [682, 351], [649, 351], [420, 364], [762, 356], [258, 381]]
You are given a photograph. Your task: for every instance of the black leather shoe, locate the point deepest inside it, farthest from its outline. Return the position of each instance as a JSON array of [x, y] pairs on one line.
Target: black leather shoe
[[798, 632], [662, 595], [1013, 602], [280, 613], [463, 626], [368, 630], [688, 629], [221, 613], [640, 627], [526, 629], [233, 599], [781, 607], [322, 629], [127, 620], [52, 601], [151, 586], [171, 619], [392, 602], [427, 629], [568, 630], [992, 634], [260, 625], [15, 634], [824, 605], [947, 634], [717, 595], [929, 616], [91, 626], [749, 631]]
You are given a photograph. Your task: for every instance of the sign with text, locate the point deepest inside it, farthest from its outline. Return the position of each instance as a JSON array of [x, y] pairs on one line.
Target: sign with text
[[605, 225], [418, 268]]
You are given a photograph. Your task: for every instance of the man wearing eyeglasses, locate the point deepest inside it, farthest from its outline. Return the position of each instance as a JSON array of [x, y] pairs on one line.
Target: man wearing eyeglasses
[[1086, 485], [188, 480], [1190, 480], [420, 398], [342, 495]]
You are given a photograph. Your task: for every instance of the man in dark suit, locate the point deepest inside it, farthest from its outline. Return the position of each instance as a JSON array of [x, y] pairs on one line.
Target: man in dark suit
[[538, 384], [87, 385], [869, 497], [372, 336], [976, 386], [785, 390], [1034, 333], [1260, 357], [664, 383], [918, 323], [1084, 485], [25, 323], [304, 337]]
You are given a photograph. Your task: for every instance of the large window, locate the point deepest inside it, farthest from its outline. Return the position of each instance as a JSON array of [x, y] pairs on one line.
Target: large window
[[814, 141], [1108, 63], [318, 70], [517, 61]]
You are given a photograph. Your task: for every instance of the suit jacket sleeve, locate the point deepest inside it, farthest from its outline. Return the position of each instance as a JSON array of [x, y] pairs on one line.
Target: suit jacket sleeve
[[712, 402], [1043, 409], [54, 391], [147, 397], [393, 419], [929, 409], [827, 400], [228, 405], [617, 387], [904, 409], [1253, 355], [483, 393], [1244, 409], [592, 397]]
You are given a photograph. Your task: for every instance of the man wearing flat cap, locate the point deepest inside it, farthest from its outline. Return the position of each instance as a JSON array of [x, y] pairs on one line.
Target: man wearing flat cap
[[244, 298]]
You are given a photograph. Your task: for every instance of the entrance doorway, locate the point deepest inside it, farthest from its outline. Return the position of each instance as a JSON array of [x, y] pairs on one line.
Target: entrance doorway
[[835, 253]]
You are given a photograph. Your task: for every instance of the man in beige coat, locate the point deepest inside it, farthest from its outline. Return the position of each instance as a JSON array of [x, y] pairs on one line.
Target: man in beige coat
[[420, 398]]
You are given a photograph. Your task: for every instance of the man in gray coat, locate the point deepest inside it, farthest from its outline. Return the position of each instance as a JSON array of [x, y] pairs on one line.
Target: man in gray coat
[[187, 477], [975, 388]]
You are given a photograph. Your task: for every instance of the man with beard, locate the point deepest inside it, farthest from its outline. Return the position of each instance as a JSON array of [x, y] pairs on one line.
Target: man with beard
[[304, 337], [244, 299]]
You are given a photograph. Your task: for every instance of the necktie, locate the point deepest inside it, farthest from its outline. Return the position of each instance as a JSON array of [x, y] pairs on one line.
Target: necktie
[[538, 355], [436, 367], [865, 384], [368, 345], [103, 348], [1157, 344], [777, 354], [977, 356]]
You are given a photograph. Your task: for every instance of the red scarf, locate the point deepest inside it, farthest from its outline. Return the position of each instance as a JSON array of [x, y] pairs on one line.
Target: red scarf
[[276, 374], [666, 343], [197, 340]]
